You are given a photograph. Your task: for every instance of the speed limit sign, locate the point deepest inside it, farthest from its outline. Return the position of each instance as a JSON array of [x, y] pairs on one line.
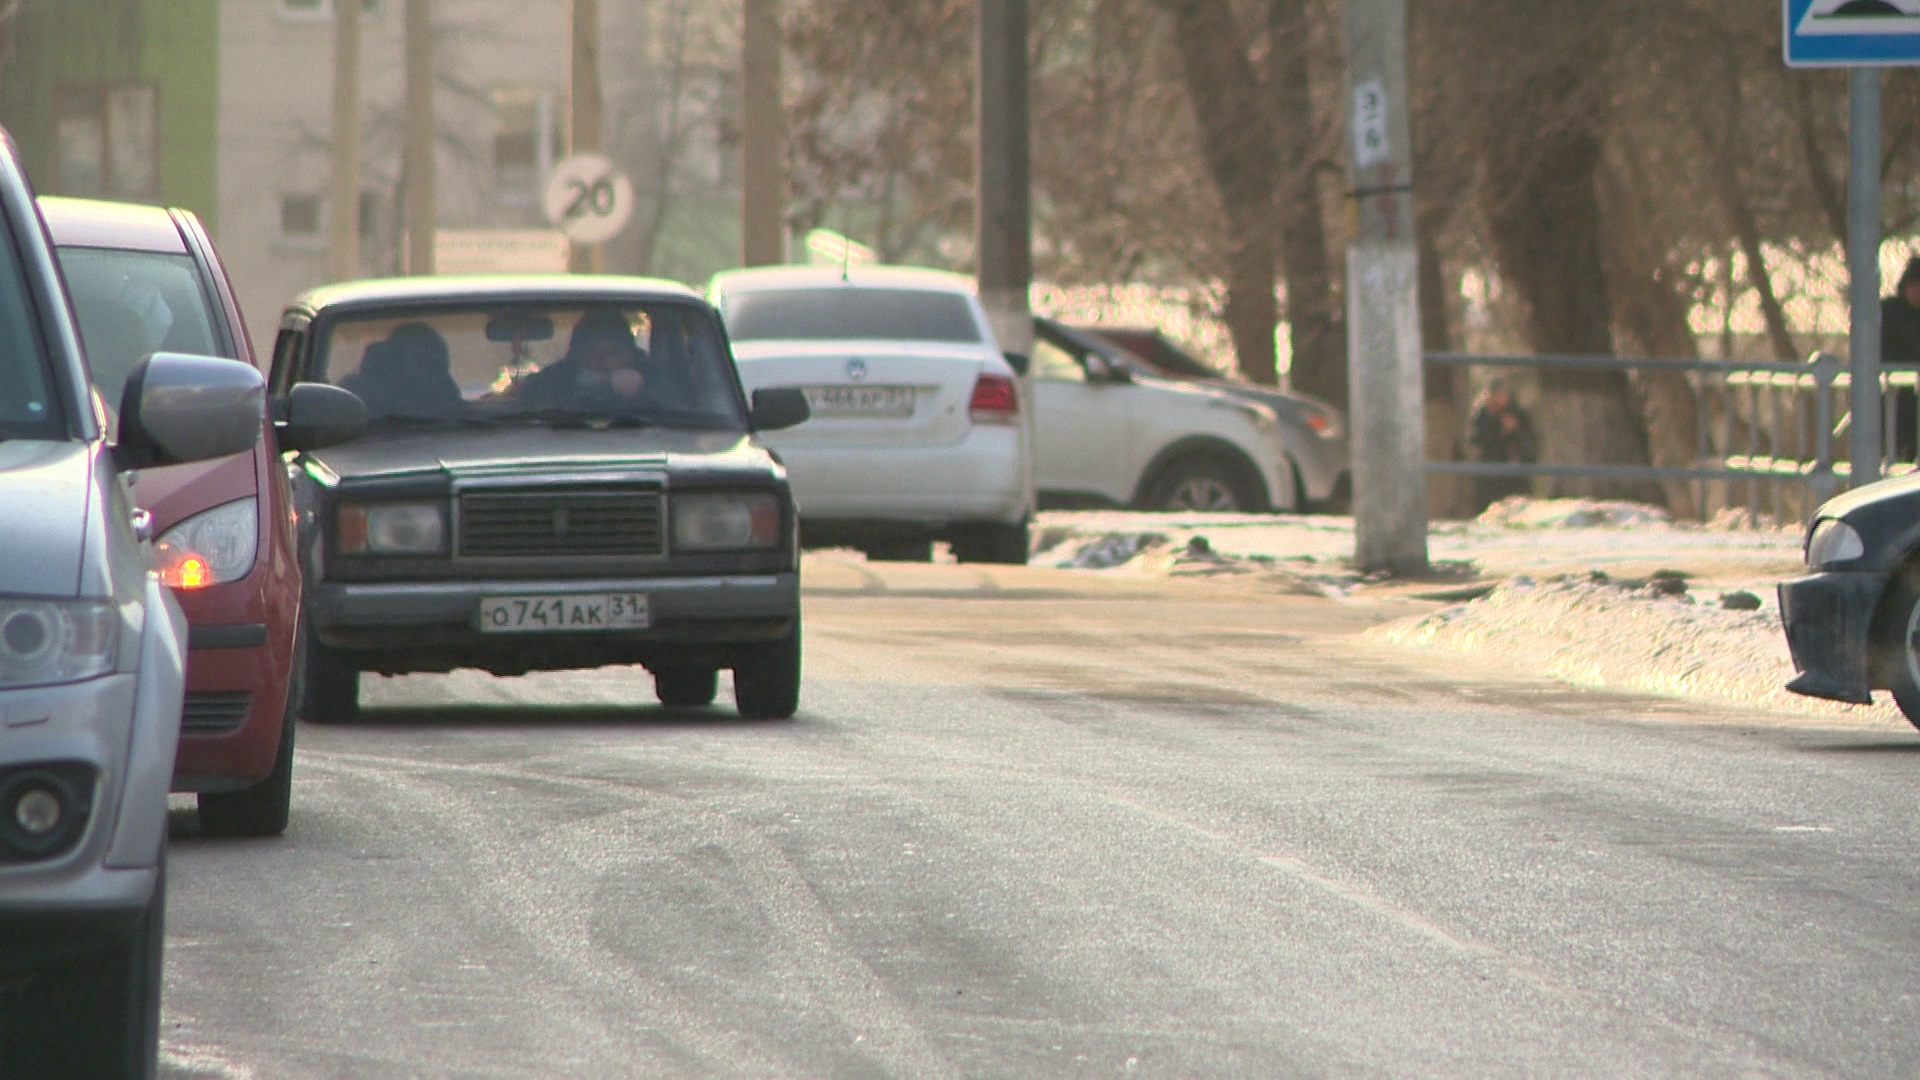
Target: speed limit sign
[[588, 198]]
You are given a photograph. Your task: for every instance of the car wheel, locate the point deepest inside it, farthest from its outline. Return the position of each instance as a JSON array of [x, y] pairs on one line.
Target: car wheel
[[686, 688], [263, 809], [766, 686], [332, 687], [899, 551], [98, 1015], [1899, 637], [1202, 484], [1007, 544]]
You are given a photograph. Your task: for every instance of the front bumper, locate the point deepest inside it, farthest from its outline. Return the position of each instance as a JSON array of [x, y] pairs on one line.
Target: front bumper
[[55, 907], [434, 626], [240, 641], [1828, 618], [237, 682]]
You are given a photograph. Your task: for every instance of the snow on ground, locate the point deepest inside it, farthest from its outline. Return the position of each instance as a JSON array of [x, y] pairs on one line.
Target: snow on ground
[[1600, 594]]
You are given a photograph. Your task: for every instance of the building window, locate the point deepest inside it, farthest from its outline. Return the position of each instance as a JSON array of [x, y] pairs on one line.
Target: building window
[[525, 142], [301, 219], [319, 10], [107, 140]]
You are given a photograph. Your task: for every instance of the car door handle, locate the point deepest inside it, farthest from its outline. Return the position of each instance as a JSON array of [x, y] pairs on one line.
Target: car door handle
[[142, 525]]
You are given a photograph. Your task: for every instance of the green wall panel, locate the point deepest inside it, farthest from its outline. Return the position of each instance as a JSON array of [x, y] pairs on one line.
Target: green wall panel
[[171, 44]]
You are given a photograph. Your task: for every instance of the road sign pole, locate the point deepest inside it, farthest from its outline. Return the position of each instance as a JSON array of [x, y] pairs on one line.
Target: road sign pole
[[1002, 166], [763, 138], [1387, 414], [343, 220], [422, 211], [1863, 267], [583, 127]]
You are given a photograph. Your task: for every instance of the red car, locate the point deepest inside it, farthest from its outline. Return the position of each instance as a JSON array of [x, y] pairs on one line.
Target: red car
[[146, 279]]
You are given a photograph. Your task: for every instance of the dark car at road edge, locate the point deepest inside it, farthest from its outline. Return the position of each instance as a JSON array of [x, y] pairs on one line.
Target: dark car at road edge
[[1853, 621]]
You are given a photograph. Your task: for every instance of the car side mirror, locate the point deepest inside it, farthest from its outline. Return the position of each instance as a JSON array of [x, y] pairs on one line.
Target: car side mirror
[[1101, 368], [779, 407], [320, 415], [178, 408], [1019, 362]]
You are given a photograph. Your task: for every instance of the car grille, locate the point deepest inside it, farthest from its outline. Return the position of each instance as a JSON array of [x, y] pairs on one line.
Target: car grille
[[578, 522], [208, 712]]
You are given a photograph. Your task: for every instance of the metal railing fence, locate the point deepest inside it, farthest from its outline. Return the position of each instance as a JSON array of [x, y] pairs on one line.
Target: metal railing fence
[[1769, 436]]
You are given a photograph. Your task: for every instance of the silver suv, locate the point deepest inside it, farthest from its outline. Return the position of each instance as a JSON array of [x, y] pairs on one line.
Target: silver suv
[[91, 654]]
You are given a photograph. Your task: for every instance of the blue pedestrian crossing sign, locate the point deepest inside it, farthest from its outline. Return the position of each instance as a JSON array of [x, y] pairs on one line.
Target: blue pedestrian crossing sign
[[1852, 33]]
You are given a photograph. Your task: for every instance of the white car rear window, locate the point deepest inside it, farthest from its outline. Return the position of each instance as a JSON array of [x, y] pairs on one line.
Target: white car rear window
[[842, 313]]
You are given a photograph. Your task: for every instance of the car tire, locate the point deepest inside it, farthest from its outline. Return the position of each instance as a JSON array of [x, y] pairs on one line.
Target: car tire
[[686, 688], [332, 694], [899, 551], [264, 808], [98, 1015], [1005, 544], [1898, 639], [1203, 484], [766, 685]]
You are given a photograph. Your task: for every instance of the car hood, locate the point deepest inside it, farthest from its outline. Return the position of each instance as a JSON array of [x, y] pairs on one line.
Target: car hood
[[1189, 394], [49, 486], [1897, 494], [520, 449]]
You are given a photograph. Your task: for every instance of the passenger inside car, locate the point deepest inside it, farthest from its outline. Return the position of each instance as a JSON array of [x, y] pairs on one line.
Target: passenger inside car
[[602, 358], [409, 373]]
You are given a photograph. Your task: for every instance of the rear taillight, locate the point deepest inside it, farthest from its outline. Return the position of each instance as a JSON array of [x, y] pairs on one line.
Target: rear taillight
[[995, 401]]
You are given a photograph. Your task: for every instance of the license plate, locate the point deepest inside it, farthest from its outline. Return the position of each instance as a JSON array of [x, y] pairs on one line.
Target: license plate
[[860, 401], [585, 611]]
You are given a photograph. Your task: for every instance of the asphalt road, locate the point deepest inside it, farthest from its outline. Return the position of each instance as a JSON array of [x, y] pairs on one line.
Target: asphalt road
[[1043, 824]]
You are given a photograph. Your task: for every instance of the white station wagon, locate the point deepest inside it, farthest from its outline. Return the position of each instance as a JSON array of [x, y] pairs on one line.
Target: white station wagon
[[917, 432]]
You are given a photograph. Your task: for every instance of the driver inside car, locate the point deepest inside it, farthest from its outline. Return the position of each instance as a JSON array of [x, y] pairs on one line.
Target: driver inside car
[[602, 361]]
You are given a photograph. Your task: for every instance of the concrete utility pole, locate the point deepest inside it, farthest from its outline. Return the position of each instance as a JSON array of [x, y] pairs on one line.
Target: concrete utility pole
[[343, 222], [1002, 175], [421, 210], [1863, 268], [1383, 310], [583, 129], [763, 138]]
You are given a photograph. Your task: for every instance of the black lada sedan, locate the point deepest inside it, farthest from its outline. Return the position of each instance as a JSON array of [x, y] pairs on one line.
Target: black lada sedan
[[557, 472]]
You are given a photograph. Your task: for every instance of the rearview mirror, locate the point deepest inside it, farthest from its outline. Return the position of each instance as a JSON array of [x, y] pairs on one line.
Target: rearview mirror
[[177, 408], [519, 326], [779, 407], [319, 415]]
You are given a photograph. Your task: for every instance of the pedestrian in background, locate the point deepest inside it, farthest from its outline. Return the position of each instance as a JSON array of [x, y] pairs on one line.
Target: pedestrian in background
[[1499, 431], [1900, 345]]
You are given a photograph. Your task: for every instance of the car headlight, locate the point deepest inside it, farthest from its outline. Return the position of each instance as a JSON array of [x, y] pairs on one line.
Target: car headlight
[[395, 528], [43, 642], [210, 548], [725, 522], [1833, 541], [1325, 422]]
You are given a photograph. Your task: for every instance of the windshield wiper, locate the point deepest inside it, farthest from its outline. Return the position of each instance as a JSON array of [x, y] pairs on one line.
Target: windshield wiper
[[420, 420]]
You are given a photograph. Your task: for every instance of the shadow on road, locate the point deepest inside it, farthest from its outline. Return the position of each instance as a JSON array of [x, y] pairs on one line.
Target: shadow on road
[[1905, 746], [548, 717]]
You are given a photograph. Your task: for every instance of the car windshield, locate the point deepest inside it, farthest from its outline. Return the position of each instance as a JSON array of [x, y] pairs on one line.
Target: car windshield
[[658, 364], [131, 304], [27, 409], [845, 313]]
